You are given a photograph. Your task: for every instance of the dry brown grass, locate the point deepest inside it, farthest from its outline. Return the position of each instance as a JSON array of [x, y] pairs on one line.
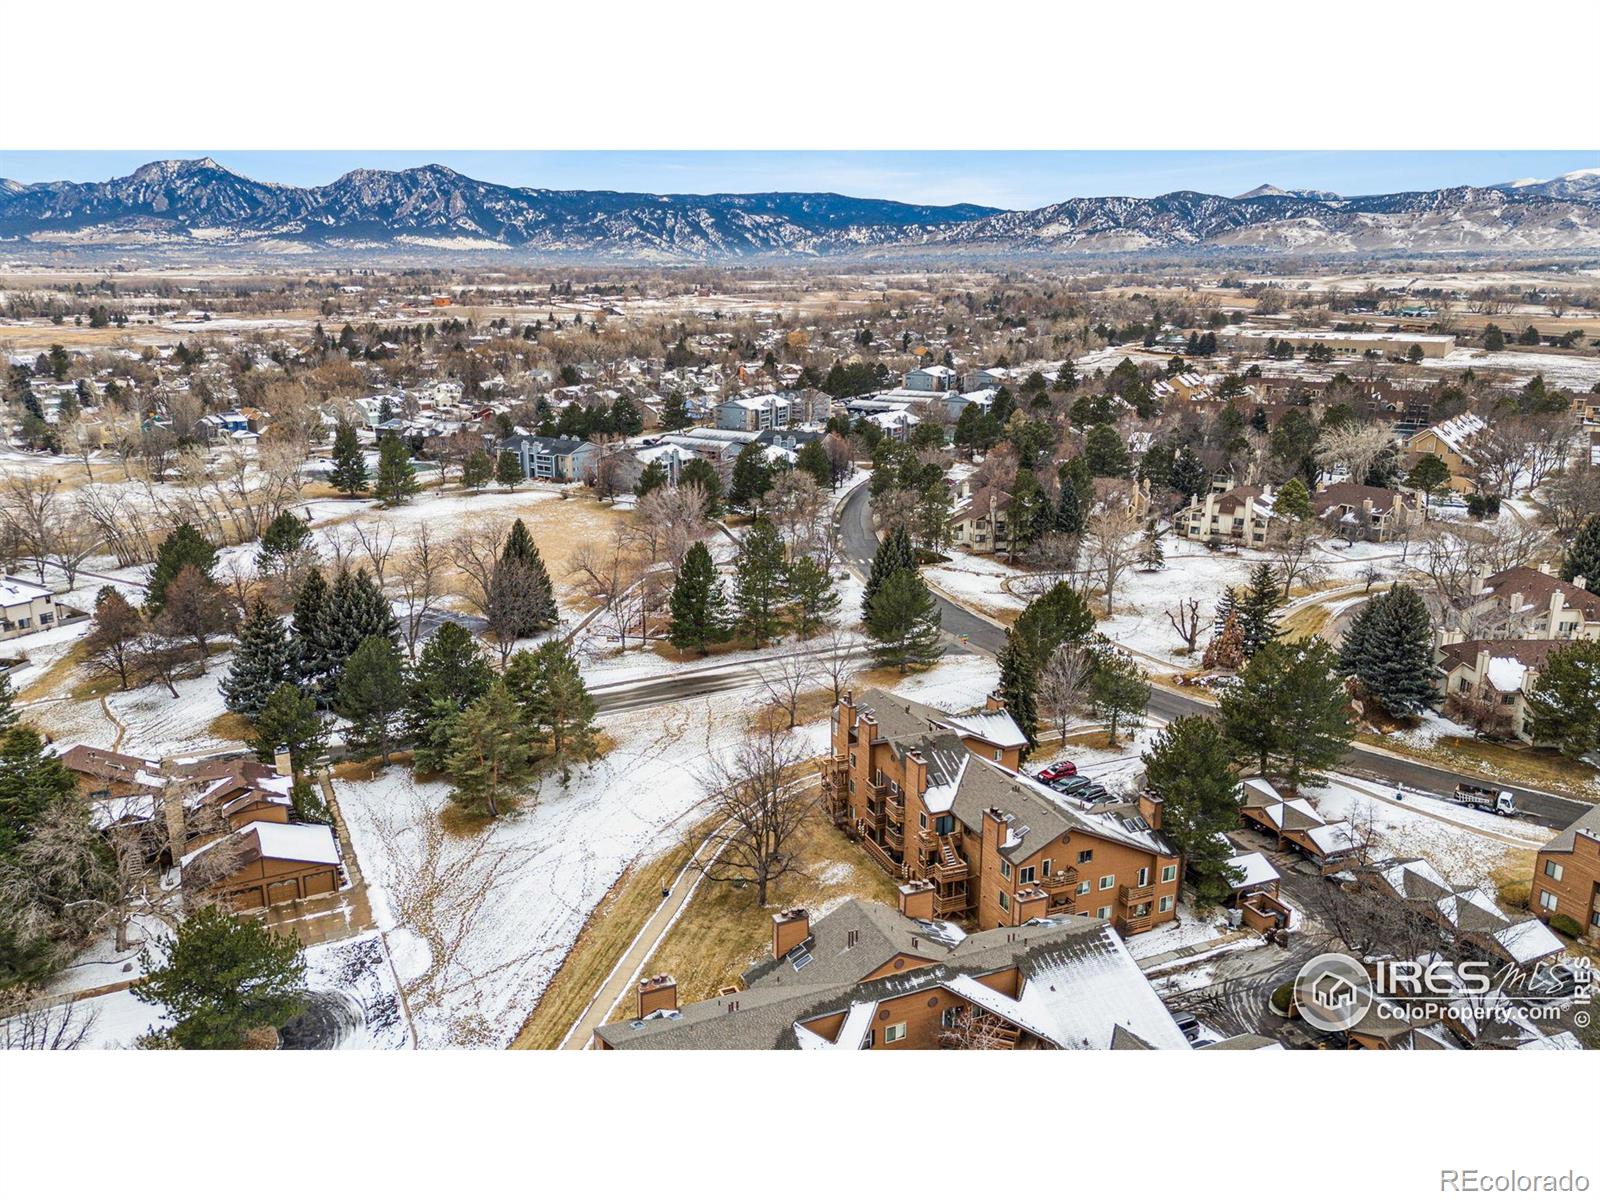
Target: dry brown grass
[[1513, 879], [1304, 623], [54, 677], [231, 727], [721, 932]]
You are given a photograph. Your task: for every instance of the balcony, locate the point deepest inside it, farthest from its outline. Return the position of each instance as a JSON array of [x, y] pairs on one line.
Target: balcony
[[878, 854], [1129, 894], [1062, 881], [894, 837], [1129, 925], [952, 904], [894, 806]]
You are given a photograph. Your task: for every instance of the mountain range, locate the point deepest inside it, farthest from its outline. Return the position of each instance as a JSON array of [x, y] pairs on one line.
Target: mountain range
[[194, 204]]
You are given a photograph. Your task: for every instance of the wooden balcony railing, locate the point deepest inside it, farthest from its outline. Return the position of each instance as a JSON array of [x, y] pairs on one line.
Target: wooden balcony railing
[[1061, 881], [1130, 925], [1129, 894], [944, 906]]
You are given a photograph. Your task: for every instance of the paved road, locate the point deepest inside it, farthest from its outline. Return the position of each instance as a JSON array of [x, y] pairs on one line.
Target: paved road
[[861, 543], [627, 695]]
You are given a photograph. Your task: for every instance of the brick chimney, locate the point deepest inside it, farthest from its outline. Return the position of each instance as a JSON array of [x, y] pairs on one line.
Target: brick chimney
[[993, 702], [789, 929], [282, 763], [916, 900], [1150, 806], [656, 993]]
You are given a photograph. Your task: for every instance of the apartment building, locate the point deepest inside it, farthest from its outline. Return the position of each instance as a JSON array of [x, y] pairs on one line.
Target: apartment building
[[1238, 515], [1522, 603], [1486, 683], [1566, 877], [25, 608], [1451, 441], [939, 802], [1365, 514], [866, 977], [755, 413]]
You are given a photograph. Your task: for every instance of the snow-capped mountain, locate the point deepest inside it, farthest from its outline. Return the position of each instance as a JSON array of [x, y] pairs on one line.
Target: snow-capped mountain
[[178, 203]]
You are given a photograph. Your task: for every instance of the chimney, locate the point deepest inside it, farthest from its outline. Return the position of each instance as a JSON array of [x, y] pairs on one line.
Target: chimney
[[282, 763], [1581, 582], [789, 929], [916, 900], [656, 993], [993, 703], [1150, 806]]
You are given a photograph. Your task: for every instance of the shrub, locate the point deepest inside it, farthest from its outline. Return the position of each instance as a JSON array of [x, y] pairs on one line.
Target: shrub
[[1562, 923], [1283, 996]]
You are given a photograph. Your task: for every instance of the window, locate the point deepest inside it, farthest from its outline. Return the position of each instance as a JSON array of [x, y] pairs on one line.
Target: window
[[1144, 876], [1025, 875], [1103, 913], [1005, 870], [944, 824], [872, 1037], [1085, 856], [949, 1017], [852, 758], [1107, 882], [1005, 902], [1044, 869], [852, 787], [1166, 904], [1553, 869], [1168, 874], [922, 820], [894, 1033], [997, 756], [1547, 901], [1085, 888]]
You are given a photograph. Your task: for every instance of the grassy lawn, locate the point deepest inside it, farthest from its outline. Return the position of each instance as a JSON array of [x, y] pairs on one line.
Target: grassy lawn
[[1543, 769], [1305, 622], [721, 932]]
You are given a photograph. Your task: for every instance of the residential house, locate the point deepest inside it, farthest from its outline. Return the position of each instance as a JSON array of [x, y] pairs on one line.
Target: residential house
[[25, 608], [1463, 915], [1522, 603], [1566, 876], [1486, 683], [939, 798], [936, 378], [866, 977], [1451, 441], [560, 459], [1241, 516], [982, 379], [1296, 823], [755, 413], [1365, 514]]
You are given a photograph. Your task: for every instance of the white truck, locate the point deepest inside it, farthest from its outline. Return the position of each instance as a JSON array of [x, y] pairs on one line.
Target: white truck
[[1475, 795]]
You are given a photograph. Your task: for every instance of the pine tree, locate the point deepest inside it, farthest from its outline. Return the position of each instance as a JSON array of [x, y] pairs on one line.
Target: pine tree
[[1287, 711], [355, 611], [1190, 767], [1257, 610], [310, 642], [1428, 475], [183, 547], [285, 544], [476, 471], [450, 674], [813, 459], [537, 602], [814, 597], [675, 413], [1151, 556], [751, 478], [490, 757], [349, 473], [700, 471], [1059, 616], [652, 477], [219, 977], [1583, 555], [1188, 476], [1106, 453], [1356, 645], [759, 589], [904, 625], [1293, 501], [1393, 652], [555, 703], [371, 696], [262, 659], [31, 780], [1070, 511], [894, 554], [508, 470], [396, 482], [1563, 710], [1118, 688], [1019, 688], [8, 701], [699, 606], [290, 719]]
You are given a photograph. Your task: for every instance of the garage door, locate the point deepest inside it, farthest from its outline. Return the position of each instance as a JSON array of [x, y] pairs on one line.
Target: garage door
[[318, 884], [283, 889]]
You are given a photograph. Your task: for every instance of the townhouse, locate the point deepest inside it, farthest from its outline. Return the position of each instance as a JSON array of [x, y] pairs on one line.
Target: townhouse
[[939, 802], [1452, 442], [1296, 823], [755, 413], [1466, 916], [558, 459], [1365, 514], [866, 977], [1566, 879], [1238, 515], [1486, 683], [1524, 603], [25, 608]]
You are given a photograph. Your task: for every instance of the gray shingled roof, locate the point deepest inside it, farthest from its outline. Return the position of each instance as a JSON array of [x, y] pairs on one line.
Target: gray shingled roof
[[1565, 841]]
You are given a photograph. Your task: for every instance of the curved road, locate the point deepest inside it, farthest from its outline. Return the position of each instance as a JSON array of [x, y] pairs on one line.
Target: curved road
[[861, 543]]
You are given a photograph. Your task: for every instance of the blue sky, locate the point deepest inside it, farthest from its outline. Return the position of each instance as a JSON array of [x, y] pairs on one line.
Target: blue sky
[[1006, 179]]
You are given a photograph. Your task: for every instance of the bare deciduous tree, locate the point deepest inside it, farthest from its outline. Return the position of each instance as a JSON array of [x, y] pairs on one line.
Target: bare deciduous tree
[[1186, 621], [1063, 687], [1110, 542], [758, 806], [785, 679]]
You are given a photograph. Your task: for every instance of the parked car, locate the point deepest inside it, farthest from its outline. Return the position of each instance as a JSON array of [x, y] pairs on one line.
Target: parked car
[[1055, 771], [1074, 785]]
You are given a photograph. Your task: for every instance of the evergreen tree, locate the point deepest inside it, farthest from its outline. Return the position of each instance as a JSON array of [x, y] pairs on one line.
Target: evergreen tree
[[1287, 711], [1118, 688], [894, 554], [675, 413], [1019, 688], [285, 544], [349, 473], [262, 659], [508, 470], [1071, 512], [1106, 453], [1190, 767], [1583, 555], [219, 977], [538, 601], [355, 611], [760, 590], [31, 780], [1188, 476], [290, 719], [1151, 556], [1564, 703], [556, 703], [751, 477], [1257, 610], [1029, 515], [652, 477], [310, 644], [813, 460], [476, 471], [904, 624], [490, 757], [700, 471], [371, 696], [396, 482], [1427, 476], [813, 594], [1293, 500], [450, 674], [1059, 616], [1392, 654], [183, 547], [8, 702], [699, 606]]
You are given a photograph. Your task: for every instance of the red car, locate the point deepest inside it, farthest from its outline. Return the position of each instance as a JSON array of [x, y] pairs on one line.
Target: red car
[[1055, 771]]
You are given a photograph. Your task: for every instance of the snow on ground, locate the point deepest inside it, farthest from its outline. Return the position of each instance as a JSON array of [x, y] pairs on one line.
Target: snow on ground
[[978, 580], [1577, 371], [1190, 929], [1430, 729], [1466, 856], [159, 726]]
